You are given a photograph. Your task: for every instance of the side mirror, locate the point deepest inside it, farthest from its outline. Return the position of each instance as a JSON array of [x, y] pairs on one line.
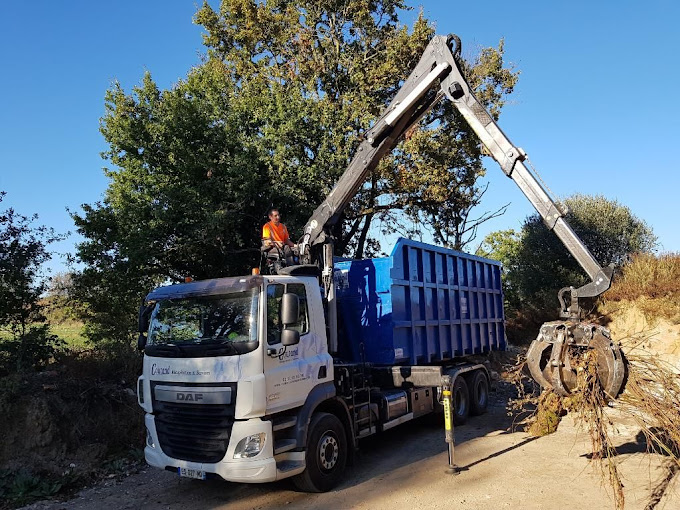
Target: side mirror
[[141, 342], [290, 309], [144, 317], [290, 337]]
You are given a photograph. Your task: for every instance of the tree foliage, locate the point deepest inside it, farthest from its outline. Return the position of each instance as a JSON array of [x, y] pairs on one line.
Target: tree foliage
[[270, 117], [505, 246], [185, 198], [25, 340], [537, 264], [60, 305], [318, 74]]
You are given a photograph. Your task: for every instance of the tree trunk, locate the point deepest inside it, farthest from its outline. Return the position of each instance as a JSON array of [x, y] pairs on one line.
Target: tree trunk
[[359, 254]]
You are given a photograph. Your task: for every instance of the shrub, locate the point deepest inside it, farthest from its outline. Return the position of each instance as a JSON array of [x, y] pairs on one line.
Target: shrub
[[655, 279], [25, 340], [648, 275], [34, 348], [538, 265]]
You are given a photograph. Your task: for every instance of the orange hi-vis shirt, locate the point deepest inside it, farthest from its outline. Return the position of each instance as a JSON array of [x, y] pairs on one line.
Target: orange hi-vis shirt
[[275, 232]]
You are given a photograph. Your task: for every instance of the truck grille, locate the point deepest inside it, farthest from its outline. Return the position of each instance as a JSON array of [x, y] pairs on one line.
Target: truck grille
[[194, 432]]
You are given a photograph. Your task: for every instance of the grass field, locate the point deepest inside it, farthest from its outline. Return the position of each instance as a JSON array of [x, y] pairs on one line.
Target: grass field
[[69, 331]]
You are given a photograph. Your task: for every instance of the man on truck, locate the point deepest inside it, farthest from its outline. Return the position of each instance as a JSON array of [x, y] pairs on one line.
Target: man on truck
[[275, 235]]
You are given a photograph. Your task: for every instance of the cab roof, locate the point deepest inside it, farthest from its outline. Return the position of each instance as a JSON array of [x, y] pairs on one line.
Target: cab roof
[[206, 287]]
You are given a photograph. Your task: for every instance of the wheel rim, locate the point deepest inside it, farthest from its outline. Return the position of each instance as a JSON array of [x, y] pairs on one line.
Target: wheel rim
[[329, 451]]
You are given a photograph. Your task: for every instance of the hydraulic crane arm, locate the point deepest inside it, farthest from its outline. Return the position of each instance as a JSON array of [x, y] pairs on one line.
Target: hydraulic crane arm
[[406, 109], [436, 75], [511, 160]]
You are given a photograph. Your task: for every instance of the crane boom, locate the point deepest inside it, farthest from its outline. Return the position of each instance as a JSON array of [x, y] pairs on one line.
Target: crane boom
[[437, 75]]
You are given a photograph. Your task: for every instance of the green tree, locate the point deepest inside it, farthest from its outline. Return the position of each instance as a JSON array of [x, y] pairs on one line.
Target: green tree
[[538, 264], [25, 340], [504, 246], [315, 75], [186, 197], [59, 304]]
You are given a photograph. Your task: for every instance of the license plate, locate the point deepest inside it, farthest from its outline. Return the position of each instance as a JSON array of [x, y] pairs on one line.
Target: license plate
[[191, 473]]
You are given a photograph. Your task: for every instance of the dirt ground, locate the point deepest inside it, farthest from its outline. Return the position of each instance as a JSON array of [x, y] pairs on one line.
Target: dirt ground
[[640, 336], [405, 468]]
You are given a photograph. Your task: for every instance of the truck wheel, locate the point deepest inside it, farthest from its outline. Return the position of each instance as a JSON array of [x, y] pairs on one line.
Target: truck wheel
[[461, 401], [479, 393], [326, 454]]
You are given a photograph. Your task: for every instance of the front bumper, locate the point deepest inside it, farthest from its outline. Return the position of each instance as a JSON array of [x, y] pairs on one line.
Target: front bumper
[[258, 469]]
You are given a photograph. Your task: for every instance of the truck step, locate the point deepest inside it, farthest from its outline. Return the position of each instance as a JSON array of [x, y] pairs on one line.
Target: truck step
[[290, 465], [284, 445], [397, 421], [366, 432], [284, 422]]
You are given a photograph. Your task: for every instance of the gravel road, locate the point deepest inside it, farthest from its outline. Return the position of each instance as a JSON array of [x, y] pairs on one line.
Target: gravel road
[[405, 468]]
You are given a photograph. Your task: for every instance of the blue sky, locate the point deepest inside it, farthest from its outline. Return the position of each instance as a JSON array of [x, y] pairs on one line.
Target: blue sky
[[596, 106]]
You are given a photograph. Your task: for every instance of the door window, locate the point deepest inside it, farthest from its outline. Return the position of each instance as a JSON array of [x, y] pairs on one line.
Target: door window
[[274, 294]]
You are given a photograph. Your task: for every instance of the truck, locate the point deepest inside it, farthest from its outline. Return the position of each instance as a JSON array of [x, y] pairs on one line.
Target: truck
[[258, 378]]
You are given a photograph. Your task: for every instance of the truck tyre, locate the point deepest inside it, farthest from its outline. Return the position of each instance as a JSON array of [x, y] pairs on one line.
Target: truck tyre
[[461, 401], [326, 454], [479, 392]]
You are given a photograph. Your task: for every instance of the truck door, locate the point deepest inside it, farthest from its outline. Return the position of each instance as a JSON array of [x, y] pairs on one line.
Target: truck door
[[290, 372]]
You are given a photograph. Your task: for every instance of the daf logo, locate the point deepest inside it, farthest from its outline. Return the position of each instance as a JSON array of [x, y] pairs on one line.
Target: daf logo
[[189, 397], [202, 396]]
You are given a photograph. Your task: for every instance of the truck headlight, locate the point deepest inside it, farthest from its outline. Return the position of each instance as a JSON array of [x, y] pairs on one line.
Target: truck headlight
[[149, 439], [250, 446]]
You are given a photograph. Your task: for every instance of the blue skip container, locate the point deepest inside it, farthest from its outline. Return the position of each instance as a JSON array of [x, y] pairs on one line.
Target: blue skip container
[[422, 305]]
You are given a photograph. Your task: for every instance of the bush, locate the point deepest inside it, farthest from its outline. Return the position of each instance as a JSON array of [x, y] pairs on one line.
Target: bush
[[25, 340], [18, 487], [653, 283], [31, 350], [537, 264], [647, 275]]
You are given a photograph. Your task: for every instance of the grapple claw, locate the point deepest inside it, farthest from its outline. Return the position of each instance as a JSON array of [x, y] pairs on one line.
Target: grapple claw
[[550, 357]]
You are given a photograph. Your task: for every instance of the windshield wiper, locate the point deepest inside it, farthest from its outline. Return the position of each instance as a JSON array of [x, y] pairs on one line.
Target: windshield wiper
[[206, 346], [164, 347], [221, 342]]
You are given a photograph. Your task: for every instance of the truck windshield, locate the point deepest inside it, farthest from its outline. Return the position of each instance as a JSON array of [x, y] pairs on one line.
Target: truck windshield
[[228, 322]]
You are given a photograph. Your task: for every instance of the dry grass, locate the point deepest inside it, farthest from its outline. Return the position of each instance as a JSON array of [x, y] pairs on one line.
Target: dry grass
[[647, 275], [651, 398], [655, 279]]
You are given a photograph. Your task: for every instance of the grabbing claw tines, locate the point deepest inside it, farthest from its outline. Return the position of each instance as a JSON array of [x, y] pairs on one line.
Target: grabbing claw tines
[[556, 356]]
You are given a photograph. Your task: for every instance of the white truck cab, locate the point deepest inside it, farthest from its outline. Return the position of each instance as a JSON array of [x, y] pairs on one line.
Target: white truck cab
[[217, 373]]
